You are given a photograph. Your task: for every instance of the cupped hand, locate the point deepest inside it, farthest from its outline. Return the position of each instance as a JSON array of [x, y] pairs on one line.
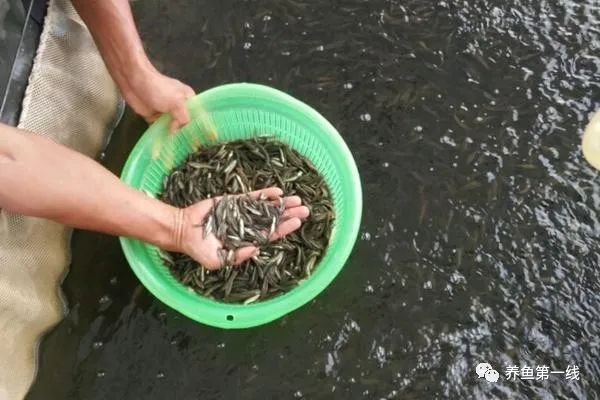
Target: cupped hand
[[151, 94], [206, 250]]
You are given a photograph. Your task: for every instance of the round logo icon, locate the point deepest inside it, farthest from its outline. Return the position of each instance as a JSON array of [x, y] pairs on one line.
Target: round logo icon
[[485, 370], [492, 375], [482, 368]]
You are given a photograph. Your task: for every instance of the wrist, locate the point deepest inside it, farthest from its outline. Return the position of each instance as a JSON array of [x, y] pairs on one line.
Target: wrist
[[177, 230], [166, 227], [135, 73]]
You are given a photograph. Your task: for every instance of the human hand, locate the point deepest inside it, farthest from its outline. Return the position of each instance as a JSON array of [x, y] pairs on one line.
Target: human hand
[[206, 250], [151, 93]]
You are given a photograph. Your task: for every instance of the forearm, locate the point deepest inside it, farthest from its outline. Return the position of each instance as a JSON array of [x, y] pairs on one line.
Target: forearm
[[148, 92], [41, 178], [113, 28]]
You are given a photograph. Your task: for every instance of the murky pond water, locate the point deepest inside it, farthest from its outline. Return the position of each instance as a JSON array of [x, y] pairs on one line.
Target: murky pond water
[[480, 236]]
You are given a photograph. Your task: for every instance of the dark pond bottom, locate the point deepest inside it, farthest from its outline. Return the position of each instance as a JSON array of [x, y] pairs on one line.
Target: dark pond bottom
[[480, 238]]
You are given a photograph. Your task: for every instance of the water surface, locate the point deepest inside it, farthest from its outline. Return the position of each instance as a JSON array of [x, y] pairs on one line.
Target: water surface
[[480, 236]]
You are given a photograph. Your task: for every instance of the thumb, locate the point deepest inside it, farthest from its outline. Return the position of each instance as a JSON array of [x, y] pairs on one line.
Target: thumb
[[245, 253], [151, 118], [180, 117]]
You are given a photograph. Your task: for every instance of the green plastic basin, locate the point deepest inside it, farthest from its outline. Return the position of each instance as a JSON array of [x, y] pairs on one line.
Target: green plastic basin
[[239, 111]]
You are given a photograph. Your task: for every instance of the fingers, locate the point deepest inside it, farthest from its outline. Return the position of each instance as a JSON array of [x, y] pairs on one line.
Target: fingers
[[150, 119], [245, 253], [294, 208], [239, 256], [180, 117], [292, 201], [301, 212], [292, 222], [188, 92], [271, 193], [293, 204], [285, 228]]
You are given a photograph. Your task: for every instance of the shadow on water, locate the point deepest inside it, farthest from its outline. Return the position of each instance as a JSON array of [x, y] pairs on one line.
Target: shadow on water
[[479, 242]]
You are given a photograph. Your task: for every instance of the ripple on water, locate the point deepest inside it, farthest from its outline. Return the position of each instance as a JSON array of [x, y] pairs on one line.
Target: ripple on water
[[480, 227]]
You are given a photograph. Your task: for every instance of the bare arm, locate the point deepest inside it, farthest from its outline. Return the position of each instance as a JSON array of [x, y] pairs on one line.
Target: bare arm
[[41, 178], [146, 90], [113, 28]]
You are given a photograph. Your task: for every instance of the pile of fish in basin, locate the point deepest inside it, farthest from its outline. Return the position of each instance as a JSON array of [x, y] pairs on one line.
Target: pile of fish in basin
[[228, 171], [243, 138]]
